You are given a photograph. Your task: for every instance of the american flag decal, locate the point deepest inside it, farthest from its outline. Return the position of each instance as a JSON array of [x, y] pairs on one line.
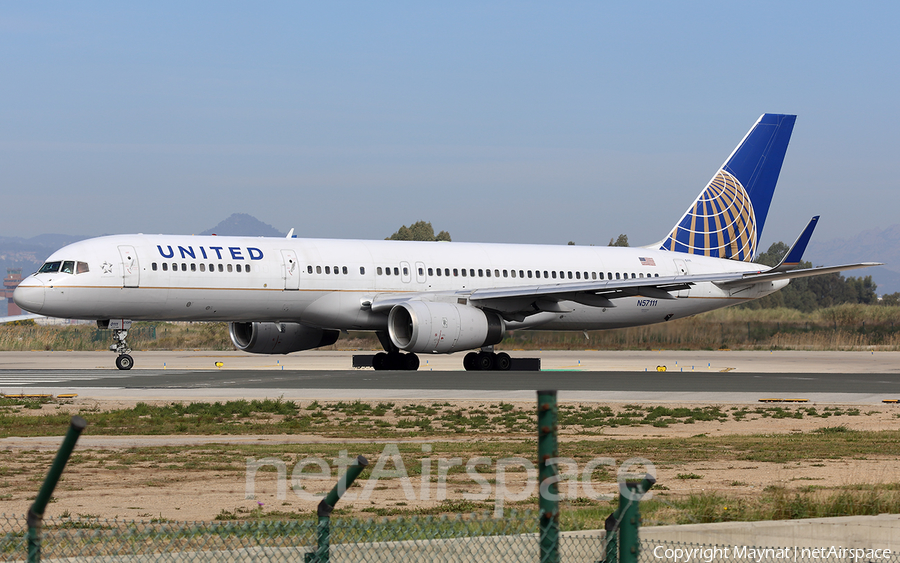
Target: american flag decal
[[647, 261]]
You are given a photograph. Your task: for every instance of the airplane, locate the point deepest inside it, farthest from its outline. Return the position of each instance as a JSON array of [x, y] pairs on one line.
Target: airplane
[[284, 295]]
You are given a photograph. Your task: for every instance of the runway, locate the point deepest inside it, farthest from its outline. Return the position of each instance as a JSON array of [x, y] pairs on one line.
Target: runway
[[689, 383]]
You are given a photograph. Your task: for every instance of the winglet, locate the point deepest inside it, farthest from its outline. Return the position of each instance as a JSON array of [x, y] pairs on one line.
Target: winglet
[[290, 233], [795, 254]]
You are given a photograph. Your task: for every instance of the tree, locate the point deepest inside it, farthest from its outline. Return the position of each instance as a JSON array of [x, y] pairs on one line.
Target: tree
[[420, 230], [621, 241], [891, 299], [808, 294]]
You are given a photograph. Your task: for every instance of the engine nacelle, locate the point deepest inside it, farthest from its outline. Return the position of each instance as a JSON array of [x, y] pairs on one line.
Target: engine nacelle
[[421, 326], [279, 338]]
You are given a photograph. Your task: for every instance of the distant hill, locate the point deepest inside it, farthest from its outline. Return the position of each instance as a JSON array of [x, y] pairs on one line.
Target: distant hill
[[241, 224], [876, 245]]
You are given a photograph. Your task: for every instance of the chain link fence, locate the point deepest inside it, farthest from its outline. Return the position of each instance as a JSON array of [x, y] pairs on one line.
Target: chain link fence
[[470, 538], [465, 538]]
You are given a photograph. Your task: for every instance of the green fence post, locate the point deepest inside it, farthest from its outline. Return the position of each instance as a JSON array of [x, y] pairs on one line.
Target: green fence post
[[326, 506], [626, 520], [548, 499], [35, 515]]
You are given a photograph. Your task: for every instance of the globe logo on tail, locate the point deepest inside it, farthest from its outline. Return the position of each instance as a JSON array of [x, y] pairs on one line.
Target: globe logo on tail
[[720, 223]]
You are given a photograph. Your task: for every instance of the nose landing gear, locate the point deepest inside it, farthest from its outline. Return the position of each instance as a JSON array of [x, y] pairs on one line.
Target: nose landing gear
[[119, 329]]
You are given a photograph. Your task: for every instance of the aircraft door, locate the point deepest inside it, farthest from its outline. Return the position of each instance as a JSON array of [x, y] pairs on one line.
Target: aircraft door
[[420, 272], [404, 272], [131, 272], [290, 270], [681, 269]]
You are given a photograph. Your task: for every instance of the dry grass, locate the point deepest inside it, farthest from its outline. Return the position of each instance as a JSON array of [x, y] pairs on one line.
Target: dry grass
[[844, 327]]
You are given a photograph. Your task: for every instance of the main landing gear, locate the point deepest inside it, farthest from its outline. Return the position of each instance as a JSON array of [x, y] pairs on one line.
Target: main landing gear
[[393, 358], [119, 329], [487, 361]]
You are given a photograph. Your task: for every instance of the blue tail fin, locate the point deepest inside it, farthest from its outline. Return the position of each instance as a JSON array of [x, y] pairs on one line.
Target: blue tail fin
[[727, 218]]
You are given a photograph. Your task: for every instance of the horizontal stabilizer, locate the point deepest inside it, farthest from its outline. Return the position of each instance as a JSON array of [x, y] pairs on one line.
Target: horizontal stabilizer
[[772, 275]]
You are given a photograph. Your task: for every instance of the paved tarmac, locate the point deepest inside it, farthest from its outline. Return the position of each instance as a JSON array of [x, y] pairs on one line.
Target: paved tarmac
[[730, 377]]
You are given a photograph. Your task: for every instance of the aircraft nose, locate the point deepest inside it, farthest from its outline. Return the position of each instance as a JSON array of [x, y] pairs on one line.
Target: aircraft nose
[[29, 296]]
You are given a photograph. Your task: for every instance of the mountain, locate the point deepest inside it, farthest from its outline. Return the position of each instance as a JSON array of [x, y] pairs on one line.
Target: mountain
[[875, 245], [241, 224]]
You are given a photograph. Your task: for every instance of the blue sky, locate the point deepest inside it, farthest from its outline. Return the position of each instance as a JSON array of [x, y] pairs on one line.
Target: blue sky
[[507, 122]]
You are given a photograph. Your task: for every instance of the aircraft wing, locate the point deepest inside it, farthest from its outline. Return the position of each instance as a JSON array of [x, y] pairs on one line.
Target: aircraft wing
[[596, 293]]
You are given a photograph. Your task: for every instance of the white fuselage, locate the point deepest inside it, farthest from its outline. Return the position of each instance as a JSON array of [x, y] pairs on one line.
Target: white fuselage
[[330, 283]]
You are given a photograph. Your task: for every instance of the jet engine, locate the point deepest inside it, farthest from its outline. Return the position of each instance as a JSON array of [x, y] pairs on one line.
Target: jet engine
[[421, 326], [279, 338]]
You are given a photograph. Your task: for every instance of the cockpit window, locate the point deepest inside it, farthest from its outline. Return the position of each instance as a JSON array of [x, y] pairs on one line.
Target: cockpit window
[[68, 267], [82, 268], [50, 268]]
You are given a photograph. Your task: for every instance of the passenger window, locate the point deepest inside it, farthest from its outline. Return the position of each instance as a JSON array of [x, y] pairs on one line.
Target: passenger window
[[247, 268], [362, 270], [585, 275], [609, 275], [472, 272], [546, 274], [318, 269], [229, 268], [327, 269], [337, 270], [68, 267], [397, 271], [562, 275], [165, 267], [438, 271], [505, 273], [194, 267], [521, 273], [537, 273], [633, 276], [496, 273], [488, 273], [593, 275], [655, 275], [480, 273], [221, 268], [570, 275], [378, 271], [153, 266], [447, 272], [81, 268], [430, 271], [553, 273], [455, 272], [238, 267], [405, 271], [309, 269], [174, 267], [641, 275], [601, 275], [617, 275], [212, 267], [202, 267], [344, 270], [578, 275], [50, 268], [463, 272], [513, 272]]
